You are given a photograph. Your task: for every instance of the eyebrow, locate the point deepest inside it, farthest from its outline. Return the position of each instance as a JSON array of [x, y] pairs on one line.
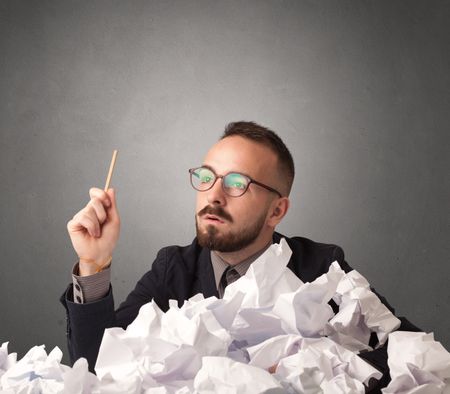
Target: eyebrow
[[208, 167], [228, 172]]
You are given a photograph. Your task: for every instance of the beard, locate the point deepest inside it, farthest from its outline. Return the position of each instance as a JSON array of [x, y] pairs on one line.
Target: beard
[[213, 239]]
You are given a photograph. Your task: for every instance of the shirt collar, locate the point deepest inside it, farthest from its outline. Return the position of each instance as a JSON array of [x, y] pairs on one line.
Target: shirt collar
[[220, 265]]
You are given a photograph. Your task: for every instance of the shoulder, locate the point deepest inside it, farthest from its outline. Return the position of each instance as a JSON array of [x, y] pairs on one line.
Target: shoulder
[[311, 249], [311, 259]]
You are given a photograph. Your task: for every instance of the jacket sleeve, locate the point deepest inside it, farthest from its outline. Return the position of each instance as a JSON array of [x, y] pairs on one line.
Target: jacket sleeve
[[87, 322]]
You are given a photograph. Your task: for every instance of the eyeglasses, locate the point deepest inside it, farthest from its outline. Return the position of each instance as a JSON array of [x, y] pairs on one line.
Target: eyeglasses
[[234, 184]]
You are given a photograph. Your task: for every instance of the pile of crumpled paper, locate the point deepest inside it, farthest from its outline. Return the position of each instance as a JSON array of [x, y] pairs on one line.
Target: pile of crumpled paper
[[268, 320]]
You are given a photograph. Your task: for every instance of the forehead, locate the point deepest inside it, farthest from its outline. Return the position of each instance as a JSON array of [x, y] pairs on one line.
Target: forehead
[[241, 155]]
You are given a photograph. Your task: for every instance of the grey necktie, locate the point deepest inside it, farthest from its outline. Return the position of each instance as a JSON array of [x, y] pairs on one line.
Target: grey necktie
[[230, 275]]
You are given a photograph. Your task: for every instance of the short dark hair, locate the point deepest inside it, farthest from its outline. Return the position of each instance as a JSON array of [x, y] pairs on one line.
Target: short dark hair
[[270, 139]]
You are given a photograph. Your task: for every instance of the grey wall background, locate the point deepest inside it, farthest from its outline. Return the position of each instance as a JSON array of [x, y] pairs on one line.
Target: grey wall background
[[359, 90]]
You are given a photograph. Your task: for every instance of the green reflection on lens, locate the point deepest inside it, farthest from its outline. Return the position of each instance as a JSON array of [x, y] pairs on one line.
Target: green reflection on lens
[[205, 175], [235, 181]]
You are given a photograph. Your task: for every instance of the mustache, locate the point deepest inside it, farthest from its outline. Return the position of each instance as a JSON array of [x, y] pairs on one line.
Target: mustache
[[217, 211]]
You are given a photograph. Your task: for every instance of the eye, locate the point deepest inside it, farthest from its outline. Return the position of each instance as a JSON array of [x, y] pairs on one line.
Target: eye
[[206, 179], [205, 176], [236, 181], [238, 185]]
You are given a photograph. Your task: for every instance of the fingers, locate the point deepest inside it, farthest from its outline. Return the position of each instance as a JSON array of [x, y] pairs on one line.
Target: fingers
[[95, 206], [82, 221], [108, 199], [101, 195], [102, 206]]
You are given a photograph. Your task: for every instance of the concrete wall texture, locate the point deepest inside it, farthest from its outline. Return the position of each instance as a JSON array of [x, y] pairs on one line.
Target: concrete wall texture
[[359, 91]]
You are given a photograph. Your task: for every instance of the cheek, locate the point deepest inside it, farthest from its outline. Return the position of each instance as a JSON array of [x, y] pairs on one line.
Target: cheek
[[200, 201], [254, 210], [244, 211]]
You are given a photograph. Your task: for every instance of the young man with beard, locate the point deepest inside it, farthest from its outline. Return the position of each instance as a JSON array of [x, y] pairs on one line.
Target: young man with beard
[[243, 191]]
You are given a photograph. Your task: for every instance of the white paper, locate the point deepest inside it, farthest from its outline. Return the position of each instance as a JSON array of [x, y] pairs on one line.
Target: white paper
[[306, 310], [268, 319], [39, 372], [170, 351], [320, 361], [223, 375], [342, 384], [360, 313], [255, 325], [6, 360], [417, 363], [266, 278], [269, 353]]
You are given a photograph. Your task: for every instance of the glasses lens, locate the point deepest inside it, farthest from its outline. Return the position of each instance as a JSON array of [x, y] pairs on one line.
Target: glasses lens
[[202, 178], [235, 184]]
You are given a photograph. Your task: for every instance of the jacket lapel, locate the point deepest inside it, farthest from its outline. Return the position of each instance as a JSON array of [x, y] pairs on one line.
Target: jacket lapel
[[205, 274]]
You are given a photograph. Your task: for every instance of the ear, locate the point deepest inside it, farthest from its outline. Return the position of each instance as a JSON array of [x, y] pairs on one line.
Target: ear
[[277, 211]]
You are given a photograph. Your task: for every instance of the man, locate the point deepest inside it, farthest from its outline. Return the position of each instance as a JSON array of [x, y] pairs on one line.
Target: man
[[243, 191]]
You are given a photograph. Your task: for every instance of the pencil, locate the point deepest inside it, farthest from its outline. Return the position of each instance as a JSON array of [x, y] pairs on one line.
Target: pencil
[[111, 169]]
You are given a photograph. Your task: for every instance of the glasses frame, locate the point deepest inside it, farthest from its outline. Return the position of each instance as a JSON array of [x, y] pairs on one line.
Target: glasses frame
[[216, 177]]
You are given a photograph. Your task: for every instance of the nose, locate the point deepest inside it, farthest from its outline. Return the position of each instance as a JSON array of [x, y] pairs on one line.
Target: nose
[[216, 195]]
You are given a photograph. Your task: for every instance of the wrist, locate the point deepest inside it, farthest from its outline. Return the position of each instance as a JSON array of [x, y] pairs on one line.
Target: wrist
[[88, 266]]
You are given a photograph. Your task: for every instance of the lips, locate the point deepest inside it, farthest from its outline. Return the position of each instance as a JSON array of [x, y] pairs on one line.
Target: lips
[[214, 218], [215, 214]]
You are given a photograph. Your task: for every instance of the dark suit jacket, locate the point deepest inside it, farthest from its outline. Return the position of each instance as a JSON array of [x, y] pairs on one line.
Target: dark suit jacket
[[181, 272]]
